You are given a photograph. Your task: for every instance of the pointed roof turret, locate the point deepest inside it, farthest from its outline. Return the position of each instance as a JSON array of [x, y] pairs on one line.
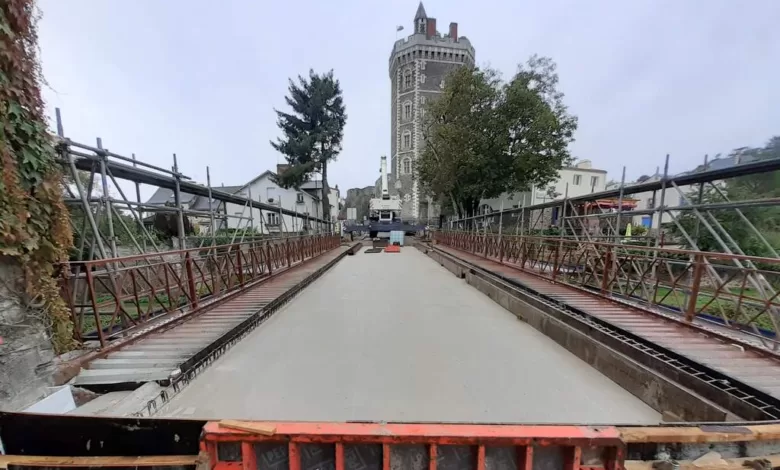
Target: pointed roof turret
[[420, 13]]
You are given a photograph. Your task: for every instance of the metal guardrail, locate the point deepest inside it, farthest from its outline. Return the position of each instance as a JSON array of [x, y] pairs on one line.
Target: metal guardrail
[[736, 290], [108, 297]]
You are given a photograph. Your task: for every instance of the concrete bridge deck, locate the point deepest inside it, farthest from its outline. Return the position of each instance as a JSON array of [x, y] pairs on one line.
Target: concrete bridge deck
[[396, 337]]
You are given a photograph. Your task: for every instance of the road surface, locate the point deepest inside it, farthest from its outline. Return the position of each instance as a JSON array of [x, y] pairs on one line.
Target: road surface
[[396, 337]]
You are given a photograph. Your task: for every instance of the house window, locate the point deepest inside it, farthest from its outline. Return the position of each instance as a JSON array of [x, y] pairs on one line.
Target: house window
[[408, 79], [594, 181], [299, 198], [273, 218], [422, 100], [270, 194], [407, 140], [407, 165], [651, 203], [408, 110], [577, 180], [422, 78]]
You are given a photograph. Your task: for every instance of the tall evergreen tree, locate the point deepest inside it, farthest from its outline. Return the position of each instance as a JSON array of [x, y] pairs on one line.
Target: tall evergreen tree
[[312, 132]]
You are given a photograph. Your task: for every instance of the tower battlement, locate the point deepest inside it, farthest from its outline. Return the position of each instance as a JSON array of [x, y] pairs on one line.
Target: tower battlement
[[418, 67]]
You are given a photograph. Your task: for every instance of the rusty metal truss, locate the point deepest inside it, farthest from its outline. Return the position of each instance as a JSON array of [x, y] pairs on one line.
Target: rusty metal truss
[[584, 241], [110, 297], [733, 290]]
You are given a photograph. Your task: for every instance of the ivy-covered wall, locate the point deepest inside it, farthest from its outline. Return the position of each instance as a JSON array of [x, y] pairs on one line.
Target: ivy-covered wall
[[34, 229]]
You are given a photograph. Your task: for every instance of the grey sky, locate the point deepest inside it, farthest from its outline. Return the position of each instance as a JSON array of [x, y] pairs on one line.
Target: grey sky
[[200, 78]]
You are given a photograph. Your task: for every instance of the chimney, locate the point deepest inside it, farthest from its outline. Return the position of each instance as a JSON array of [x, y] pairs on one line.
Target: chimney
[[281, 168], [431, 22], [454, 31]]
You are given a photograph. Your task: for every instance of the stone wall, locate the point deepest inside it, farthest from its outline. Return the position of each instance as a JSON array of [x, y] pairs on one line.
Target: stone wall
[[26, 354]]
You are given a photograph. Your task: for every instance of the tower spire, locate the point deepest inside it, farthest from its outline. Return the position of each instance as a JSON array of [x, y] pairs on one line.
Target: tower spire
[[420, 15]]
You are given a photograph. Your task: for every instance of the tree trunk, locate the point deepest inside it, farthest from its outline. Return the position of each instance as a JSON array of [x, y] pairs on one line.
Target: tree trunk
[[325, 191]]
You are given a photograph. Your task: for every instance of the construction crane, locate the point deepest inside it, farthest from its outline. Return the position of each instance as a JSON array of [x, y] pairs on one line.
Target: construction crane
[[384, 211]]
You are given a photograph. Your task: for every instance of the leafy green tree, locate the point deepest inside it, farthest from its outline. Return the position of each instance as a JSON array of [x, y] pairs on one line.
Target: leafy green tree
[[483, 137], [312, 132]]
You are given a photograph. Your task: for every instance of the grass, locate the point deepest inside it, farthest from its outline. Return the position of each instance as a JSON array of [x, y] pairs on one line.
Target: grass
[[722, 304]]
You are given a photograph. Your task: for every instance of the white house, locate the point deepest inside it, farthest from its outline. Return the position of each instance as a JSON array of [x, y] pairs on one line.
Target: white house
[[314, 188], [264, 189], [261, 189], [581, 178]]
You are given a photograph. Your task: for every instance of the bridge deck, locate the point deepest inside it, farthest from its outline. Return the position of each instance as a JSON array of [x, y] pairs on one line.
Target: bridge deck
[[396, 337], [157, 356], [756, 368]]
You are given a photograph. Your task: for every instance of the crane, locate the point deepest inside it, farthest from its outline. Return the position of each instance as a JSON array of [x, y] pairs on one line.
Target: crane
[[384, 211]]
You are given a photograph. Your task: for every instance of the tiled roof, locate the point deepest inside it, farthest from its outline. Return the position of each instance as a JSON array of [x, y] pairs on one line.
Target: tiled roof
[[163, 195]]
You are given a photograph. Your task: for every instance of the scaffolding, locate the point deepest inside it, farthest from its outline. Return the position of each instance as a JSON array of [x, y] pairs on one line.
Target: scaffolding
[[91, 186]]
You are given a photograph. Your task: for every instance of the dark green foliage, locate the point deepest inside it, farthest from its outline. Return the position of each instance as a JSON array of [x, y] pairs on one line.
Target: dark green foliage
[[312, 132], [34, 229], [484, 137]]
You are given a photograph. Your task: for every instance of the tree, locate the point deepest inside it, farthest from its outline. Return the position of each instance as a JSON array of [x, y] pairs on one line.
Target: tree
[[483, 137], [312, 133]]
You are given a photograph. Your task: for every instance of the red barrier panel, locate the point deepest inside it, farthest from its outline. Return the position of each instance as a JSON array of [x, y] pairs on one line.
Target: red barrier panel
[[343, 446]]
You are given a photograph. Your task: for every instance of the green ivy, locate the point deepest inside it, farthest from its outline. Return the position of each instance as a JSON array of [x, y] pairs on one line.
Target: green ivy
[[34, 228]]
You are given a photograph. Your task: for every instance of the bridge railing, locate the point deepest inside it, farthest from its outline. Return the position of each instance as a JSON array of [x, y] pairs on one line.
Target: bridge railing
[[740, 291], [108, 297]]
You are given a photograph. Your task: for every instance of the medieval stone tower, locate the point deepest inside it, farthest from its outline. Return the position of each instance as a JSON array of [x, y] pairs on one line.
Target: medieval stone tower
[[418, 66]]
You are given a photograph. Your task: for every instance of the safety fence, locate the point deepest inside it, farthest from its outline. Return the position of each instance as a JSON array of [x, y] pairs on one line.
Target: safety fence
[[248, 445], [108, 297], [740, 291], [347, 446]]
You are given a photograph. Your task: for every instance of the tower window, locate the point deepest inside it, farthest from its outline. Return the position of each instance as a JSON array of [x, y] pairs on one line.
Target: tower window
[[407, 165], [408, 79], [408, 110], [422, 78], [407, 140]]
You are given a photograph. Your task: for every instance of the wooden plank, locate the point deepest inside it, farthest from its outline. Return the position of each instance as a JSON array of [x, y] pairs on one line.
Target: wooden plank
[[248, 426], [111, 461], [689, 434], [725, 464]]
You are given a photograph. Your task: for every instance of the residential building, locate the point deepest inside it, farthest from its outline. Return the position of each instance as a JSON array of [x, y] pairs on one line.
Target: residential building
[[190, 202], [314, 188], [262, 189], [418, 66], [577, 180]]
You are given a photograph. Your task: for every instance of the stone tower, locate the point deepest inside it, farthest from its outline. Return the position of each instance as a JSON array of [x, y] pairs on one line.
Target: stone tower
[[418, 65]]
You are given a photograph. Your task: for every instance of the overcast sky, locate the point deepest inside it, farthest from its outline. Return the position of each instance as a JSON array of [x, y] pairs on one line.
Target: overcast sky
[[201, 78]]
